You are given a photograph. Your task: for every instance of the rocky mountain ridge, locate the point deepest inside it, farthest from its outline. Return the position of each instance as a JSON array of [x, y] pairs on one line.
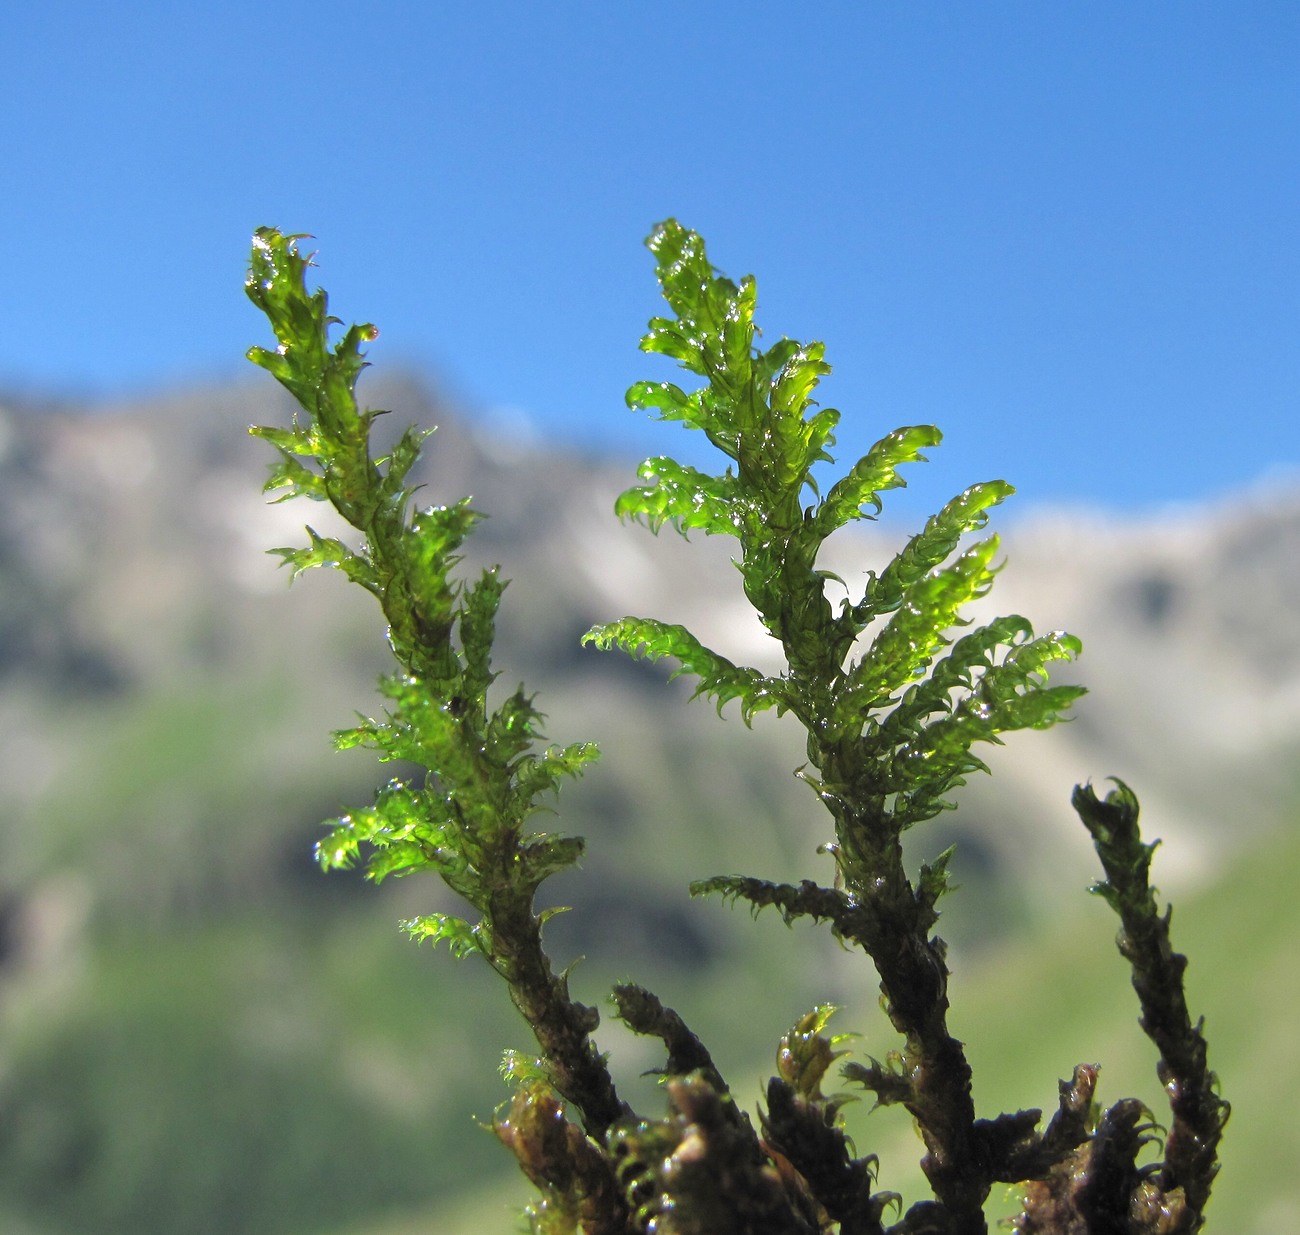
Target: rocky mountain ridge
[[131, 554]]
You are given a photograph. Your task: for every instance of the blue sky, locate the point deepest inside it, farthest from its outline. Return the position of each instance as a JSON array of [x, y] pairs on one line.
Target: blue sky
[[1067, 233]]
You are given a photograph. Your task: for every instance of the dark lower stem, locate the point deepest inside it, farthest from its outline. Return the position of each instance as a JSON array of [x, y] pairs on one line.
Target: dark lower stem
[[895, 932], [562, 1026]]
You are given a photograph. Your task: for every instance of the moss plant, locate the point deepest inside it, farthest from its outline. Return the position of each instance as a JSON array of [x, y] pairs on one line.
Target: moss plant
[[894, 704]]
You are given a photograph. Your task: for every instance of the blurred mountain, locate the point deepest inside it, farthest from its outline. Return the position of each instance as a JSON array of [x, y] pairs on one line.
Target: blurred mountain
[[166, 703]]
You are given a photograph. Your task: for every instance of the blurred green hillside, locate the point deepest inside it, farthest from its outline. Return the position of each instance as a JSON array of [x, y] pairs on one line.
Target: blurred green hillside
[[1046, 1005], [1036, 1007], [200, 1033]]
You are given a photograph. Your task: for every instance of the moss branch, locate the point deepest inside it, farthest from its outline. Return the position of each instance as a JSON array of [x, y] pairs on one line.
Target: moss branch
[[483, 777], [1198, 1112]]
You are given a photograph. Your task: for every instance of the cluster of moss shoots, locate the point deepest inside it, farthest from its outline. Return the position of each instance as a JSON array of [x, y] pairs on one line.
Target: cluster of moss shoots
[[894, 704]]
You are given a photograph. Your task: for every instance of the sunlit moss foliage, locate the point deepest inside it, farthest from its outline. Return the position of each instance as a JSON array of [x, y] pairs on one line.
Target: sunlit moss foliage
[[893, 703]]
